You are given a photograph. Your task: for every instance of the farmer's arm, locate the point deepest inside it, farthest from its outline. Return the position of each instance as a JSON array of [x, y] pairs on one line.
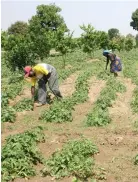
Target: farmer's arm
[[107, 62], [33, 81]]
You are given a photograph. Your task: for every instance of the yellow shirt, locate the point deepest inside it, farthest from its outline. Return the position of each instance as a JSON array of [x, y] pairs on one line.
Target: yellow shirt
[[39, 71]]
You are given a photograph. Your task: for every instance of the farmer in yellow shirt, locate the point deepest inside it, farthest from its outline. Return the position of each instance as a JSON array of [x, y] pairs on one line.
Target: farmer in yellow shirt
[[43, 73]]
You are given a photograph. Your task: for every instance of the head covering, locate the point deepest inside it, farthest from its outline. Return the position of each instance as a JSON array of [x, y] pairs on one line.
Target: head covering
[[27, 70], [106, 52]]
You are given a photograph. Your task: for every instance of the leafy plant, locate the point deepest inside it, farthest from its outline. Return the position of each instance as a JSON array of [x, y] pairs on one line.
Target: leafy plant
[[60, 111], [136, 160], [25, 104], [19, 154], [8, 114], [99, 115], [134, 103], [75, 159]]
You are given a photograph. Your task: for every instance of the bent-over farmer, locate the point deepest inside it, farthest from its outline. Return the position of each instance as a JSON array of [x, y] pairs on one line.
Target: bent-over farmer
[[115, 65], [43, 73]]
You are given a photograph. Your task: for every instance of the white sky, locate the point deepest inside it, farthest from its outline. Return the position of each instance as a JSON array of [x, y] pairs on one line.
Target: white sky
[[103, 15]]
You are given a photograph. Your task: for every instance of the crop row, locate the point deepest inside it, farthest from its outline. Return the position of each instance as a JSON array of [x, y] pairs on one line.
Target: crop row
[[99, 115]]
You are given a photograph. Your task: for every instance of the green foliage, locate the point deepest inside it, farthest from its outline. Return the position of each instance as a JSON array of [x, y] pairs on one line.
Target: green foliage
[[65, 45], [99, 115], [130, 62], [103, 39], [129, 43], [75, 159], [134, 22], [10, 91], [4, 100], [19, 154], [60, 111], [117, 43], [134, 103], [19, 27], [89, 39], [136, 38], [8, 114], [13, 89], [24, 105], [136, 160], [4, 38], [113, 32], [19, 52], [82, 86], [44, 28]]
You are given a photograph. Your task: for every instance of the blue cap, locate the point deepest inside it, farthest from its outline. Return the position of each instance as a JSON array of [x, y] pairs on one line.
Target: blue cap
[[105, 52]]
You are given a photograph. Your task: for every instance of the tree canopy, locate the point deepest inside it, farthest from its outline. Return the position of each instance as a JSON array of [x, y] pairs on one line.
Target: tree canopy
[[113, 32], [134, 22], [18, 27]]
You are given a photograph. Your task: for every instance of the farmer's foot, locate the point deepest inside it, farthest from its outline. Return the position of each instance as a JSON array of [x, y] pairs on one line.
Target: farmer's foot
[[38, 104]]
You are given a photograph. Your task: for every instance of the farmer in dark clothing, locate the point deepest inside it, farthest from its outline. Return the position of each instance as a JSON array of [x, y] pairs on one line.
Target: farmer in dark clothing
[[43, 73], [115, 65]]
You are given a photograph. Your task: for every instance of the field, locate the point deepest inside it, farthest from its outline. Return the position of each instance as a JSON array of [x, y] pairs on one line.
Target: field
[[94, 129]]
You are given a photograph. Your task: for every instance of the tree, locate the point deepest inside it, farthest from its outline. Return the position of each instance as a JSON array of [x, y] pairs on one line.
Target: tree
[[117, 43], [65, 45], [113, 32], [134, 22], [18, 27], [45, 27], [4, 39], [89, 39], [129, 44], [103, 39], [19, 52]]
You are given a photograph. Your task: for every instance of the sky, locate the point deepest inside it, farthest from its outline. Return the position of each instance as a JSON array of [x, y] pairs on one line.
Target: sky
[[102, 15]]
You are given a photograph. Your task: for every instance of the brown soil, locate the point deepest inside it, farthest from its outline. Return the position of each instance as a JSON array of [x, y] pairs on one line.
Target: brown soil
[[117, 142], [22, 118]]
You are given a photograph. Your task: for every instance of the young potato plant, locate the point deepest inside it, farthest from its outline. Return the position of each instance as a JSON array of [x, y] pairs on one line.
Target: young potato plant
[[24, 105], [20, 154], [75, 158], [134, 103], [99, 115], [8, 114], [62, 111]]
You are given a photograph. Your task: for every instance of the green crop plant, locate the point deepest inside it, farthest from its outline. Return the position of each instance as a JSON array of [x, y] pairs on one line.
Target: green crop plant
[[99, 115], [62, 111], [20, 154], [75, 158], [8, 114], [134, 103], [24, 104]]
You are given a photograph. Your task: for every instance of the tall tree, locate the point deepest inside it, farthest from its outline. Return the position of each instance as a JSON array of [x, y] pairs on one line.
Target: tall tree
[[117, 43], [4, 39], [44, 28], [65, 45], [89, 39], [129, 43], [18, 27], [113, 32], [103, 39], [134, 22], [19, 52]]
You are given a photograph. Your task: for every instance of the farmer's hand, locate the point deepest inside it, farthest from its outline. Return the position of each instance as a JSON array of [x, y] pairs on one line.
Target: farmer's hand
[[33, 90]]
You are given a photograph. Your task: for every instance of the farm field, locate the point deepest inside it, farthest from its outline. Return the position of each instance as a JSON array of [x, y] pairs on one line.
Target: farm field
[[94, 129]]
